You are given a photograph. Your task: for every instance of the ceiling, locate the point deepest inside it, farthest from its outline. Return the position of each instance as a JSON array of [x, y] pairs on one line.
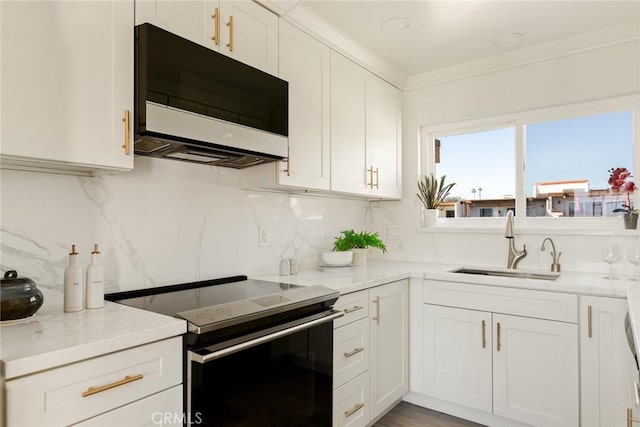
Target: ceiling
[[450, 32]]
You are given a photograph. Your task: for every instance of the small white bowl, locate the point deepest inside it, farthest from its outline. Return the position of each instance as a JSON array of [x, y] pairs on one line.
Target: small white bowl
[[337, 258]]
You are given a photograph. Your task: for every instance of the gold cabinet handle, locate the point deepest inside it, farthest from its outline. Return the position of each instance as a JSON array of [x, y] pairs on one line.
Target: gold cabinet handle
[[126, 380], [630, 418], [352, 309], [370, 172], [353, 410], [377, 303], [498, 335], [590, 321], [354, 352], [484, 334], [230, 25], [126, 119], [377, 179], [216, 27]]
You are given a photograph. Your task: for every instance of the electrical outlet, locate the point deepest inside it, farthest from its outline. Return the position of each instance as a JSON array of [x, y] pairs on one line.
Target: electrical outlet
[[263, 237], [393, 232]]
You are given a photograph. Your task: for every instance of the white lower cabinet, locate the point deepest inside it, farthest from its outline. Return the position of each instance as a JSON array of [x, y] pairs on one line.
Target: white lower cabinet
[[519, 368], [607, 365], [133, 385], [371, 353]]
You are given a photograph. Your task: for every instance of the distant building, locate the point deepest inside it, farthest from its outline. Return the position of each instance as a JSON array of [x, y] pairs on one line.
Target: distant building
[[571, 198]]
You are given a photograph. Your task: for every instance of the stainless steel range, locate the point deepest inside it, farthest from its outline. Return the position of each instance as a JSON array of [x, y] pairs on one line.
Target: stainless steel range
[[256, 352]]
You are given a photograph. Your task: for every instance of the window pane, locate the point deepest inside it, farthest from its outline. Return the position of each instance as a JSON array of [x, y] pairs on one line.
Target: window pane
[[568, 164], [482, 164]]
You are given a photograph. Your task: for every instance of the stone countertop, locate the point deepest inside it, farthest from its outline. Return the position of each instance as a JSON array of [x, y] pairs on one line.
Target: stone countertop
[[347, 280], [53, 338]]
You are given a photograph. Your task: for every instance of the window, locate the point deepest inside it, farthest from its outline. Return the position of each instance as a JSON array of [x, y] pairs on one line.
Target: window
[[552, 164]]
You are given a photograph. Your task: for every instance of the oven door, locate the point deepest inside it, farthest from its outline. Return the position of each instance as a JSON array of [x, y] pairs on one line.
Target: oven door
[[282, 376]]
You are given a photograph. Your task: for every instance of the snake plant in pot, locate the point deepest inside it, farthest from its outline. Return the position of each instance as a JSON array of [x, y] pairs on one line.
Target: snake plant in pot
[[431, 193]]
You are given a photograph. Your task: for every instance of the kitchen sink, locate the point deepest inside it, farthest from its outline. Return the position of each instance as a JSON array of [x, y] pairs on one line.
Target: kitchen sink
[[507, 273]]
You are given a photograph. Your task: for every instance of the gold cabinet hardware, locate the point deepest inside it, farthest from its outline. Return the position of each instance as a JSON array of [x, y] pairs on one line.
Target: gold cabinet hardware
[[353, 410], [630, 418], [590, 321], [498, 336], [370, 172], [126, 119], [126, 380], [484, 334], [352, 309], [377, 179], [354, 352], [216, 27], [230, 25], [377, 303]]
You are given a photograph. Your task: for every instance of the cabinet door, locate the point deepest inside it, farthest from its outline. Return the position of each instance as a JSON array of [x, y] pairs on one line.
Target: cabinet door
[[249, 33], [348, 169], [305, 64], [67, 79], [192, 19], [383, 137], [607, 368], [389, 343], [457, 355], [535, 371]]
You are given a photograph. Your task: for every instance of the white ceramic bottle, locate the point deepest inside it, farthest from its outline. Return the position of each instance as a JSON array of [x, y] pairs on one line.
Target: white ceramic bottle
[[95, 281], [73, 283]]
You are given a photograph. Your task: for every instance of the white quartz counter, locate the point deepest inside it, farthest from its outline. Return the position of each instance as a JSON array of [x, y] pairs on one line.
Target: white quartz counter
[[53, 338], [380, 272]]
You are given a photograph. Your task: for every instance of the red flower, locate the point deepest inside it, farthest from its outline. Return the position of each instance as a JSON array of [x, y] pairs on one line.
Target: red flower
[[618, 182]]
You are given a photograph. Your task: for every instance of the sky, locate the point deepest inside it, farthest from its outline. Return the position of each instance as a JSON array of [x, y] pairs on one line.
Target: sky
[[580, 148]]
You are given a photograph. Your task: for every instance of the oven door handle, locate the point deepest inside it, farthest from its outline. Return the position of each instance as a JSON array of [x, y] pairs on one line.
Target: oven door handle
[[199, 358]]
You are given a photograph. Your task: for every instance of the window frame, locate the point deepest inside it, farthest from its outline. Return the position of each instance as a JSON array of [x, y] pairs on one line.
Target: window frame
[[519, 120]]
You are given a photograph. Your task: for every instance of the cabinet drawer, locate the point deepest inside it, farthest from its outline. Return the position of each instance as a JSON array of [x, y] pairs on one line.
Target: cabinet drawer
[[350, 351], [355, 306], [521, 302], [76, 392], [162, 410], [351, 403]]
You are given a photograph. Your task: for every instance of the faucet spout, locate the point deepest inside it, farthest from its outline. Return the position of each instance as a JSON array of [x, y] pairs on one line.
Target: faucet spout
[[555, 265], [514, 256]]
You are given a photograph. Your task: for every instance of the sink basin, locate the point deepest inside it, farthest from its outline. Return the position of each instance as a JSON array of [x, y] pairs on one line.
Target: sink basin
[[507, 273]]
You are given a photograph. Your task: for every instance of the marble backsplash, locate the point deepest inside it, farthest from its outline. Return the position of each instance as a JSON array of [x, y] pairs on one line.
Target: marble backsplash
[[164, 223]]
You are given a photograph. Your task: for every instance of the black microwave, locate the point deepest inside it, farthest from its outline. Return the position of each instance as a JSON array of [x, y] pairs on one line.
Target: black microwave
[[198, 105]]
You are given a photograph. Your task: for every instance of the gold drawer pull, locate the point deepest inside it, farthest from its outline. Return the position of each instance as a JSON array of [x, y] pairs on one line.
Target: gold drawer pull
[[127, 138], [354, 409], [630, 418], [484, 334], [352, 309], [354, 352], [498, 334], [216, 27], [230, 25], [590, 321], [126, 380], [377, 303]]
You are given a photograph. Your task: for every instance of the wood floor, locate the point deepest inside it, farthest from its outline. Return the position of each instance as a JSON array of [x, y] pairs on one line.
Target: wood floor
[[409, 415]]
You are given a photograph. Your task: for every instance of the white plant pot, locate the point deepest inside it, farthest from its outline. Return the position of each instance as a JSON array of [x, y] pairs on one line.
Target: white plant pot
[[429, 217], [360, 257]]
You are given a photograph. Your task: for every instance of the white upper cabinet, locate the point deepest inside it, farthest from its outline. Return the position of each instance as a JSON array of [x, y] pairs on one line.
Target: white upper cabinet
[[67, 84], [305, 64], [348, 147], [383, 137], [243, 30], [365, 132]]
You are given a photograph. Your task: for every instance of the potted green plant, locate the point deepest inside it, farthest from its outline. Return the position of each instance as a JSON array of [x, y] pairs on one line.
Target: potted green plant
[[359, 244], [431, 193]]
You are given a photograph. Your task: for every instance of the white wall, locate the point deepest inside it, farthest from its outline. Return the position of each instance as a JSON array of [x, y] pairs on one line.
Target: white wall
[[166, 222], [588, 75]]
